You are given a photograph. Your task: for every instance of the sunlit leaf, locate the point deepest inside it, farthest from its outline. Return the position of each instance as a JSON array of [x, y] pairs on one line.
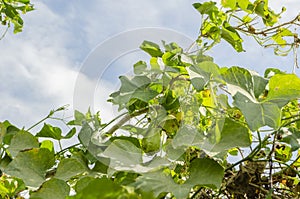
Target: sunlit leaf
[[151, 48], [283, 152], [229, 3], [283, 88], [50, 132], [47, 144]]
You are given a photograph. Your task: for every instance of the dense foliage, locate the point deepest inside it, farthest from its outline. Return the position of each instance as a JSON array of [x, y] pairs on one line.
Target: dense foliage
[[187, 128]]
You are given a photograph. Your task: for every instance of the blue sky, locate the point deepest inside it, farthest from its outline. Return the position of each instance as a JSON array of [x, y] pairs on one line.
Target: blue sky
[[39, 67]]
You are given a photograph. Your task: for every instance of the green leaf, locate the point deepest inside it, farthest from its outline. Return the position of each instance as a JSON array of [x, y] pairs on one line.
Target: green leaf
[[229, 3], [151, 48], [232, 134], [260, 84], [7, 132], [283, 152], [69, 168], [123, 154], [22, 141], [205, 172], [258, 114], [151, 143], [53, 188], [283, 88], [270, 72], [201, 73], [158, 182], [206, 8], [198, 83], [130, 85], [133, 140], [47, 144], [31, 166], [138, 87], [70, 134], [187, 136], [85, 134], [79, 118], [97, 188], [230, 35], [82, 183], [140, 67], [50, 132], [209, 67], [239, 80], [243, 4], [292, 138]]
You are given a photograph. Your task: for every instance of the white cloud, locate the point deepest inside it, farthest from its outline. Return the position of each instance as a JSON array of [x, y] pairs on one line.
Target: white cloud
[[37, 74]]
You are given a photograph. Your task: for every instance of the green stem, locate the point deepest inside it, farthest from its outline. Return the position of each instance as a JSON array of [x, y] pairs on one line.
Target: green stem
[[47, 117], [60, 146], [65, 149], [290, 122], [42, 120]]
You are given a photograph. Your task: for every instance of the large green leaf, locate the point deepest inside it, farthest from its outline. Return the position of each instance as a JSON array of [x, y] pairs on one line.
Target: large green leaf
[[123, 154], [31, 166], [203, 172], [283, 88], [258, 114], [187, 136], [53, 188], [97, 188], [239, 80], [22, 141], [231, 134], [158, 182], [69, 167]]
